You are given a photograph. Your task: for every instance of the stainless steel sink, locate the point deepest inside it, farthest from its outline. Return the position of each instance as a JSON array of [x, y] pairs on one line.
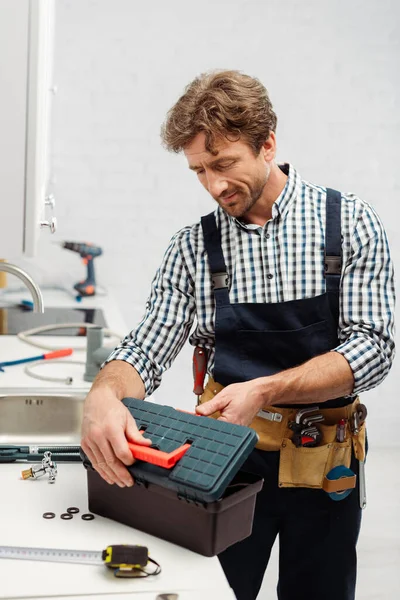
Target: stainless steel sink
[[41, 418]]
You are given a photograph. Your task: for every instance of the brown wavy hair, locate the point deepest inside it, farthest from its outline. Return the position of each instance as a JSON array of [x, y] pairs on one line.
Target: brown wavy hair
[[222, 104]]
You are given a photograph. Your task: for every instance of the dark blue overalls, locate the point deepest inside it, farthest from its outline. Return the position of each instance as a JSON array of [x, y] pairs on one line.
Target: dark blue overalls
[[317, 535]]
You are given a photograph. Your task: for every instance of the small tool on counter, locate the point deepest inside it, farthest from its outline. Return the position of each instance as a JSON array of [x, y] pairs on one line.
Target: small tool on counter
[[46, 356], [126, 560], [25, 305], [88, 253], [12, 453], [47, 466], [199, 371]]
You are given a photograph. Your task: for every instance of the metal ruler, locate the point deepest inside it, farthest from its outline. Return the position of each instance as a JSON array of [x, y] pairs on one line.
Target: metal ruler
[[87, 557]]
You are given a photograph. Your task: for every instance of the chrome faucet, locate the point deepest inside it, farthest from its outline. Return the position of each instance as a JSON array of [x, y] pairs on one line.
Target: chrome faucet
[[28, 281]]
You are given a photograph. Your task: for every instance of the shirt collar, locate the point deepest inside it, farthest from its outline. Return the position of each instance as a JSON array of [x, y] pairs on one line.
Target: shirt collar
[[285, 198]]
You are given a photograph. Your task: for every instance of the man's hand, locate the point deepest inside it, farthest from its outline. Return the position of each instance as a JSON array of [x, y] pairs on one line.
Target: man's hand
[[238, 403], [106, 428]]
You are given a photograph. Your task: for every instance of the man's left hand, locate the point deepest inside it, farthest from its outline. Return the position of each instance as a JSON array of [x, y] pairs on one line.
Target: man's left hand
[[237, 403]]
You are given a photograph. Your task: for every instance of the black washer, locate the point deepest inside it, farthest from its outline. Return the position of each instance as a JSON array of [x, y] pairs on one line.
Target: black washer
[[49, 515], [72, 510], [66, 516], [87, 517]]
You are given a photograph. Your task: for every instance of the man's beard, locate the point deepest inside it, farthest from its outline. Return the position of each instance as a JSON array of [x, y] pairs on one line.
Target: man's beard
[[244, 201]]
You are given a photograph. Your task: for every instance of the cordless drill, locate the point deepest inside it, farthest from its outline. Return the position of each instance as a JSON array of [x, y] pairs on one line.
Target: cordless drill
[[88, 253]]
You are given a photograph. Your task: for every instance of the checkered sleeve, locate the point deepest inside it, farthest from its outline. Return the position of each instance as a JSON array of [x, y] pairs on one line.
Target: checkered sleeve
[[367, 302], [153, 345]]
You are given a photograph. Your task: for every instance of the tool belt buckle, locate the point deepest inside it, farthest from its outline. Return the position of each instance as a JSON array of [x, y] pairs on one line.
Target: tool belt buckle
[[270, 416]]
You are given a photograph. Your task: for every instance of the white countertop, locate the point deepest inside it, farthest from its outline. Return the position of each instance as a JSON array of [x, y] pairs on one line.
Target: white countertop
[[22, 503]]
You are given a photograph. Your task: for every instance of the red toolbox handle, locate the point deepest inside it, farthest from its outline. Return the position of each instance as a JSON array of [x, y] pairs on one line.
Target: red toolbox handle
[[158, 457]]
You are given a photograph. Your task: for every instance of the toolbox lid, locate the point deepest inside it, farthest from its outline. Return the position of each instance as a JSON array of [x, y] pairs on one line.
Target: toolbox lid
[[214, 452]]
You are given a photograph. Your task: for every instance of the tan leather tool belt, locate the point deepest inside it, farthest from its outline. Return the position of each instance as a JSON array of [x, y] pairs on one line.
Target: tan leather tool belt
[[305, 466]]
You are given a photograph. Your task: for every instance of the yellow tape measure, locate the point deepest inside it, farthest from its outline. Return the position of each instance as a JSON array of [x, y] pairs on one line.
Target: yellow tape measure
[[126, 560]]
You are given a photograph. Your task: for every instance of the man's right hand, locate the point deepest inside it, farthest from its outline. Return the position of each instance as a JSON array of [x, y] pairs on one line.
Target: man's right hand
[[107, 427]]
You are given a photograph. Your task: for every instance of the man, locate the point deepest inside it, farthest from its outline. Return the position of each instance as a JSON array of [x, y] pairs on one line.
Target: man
[[292, 289]]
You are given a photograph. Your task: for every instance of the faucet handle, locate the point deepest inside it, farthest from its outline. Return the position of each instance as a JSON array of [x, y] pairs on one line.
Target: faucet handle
[[52, 224]]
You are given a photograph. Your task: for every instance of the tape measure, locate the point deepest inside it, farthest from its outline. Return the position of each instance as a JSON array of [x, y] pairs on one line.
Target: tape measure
[[126, 560], [338, 473]]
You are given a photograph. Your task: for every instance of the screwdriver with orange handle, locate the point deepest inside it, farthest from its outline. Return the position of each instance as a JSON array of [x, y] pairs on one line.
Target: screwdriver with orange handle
[[48, 355]]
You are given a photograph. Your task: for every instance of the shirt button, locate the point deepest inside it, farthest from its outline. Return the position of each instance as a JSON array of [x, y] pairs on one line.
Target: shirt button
[[267, 236], [270, 276]]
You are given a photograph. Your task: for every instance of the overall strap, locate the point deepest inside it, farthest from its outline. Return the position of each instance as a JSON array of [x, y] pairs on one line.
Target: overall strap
[[219, 275], [333, 249]]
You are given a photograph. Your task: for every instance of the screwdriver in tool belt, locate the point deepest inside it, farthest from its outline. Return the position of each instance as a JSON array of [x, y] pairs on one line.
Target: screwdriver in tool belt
[[341, 431]]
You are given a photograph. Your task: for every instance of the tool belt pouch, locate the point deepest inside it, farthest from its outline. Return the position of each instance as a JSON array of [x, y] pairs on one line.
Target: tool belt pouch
[[302, 466], [308, 467]]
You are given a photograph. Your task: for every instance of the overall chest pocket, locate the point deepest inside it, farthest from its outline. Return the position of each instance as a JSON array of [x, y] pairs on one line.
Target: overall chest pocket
[[267, 352]]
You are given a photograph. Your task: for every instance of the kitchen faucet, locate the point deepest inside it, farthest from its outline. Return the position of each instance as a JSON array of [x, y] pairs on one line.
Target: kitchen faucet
[[28, 281]]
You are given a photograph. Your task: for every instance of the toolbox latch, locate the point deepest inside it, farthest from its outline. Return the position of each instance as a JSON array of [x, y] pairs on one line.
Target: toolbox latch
[[190, 500]]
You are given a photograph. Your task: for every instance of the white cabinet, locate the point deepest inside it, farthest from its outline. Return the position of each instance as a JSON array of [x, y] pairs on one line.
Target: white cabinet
[[26, 49]]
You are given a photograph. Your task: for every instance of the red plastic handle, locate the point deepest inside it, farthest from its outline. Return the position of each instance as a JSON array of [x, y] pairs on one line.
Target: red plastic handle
[[199, 369], [158, 457], [58, 353]]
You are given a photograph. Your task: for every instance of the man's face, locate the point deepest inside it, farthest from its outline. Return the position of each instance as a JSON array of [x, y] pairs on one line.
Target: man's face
[[235, 177]]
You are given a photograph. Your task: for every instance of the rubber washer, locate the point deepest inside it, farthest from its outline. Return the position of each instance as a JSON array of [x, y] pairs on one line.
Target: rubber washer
[[66, 516], [87, 517], [337, 473], [72, 510], [49, 515]]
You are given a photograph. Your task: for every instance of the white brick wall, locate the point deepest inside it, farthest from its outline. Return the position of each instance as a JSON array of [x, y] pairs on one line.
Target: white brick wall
[[332, 70]]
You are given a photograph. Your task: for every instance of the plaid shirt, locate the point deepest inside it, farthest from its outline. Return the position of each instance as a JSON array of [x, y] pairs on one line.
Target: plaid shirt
[[284, 260]]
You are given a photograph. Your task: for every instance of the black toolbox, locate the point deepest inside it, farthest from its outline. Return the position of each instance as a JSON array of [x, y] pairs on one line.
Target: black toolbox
[[204, 502]]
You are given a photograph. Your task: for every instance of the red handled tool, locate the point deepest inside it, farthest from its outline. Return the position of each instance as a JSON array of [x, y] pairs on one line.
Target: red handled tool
[[341, 430], [46, 356], [199, 370]]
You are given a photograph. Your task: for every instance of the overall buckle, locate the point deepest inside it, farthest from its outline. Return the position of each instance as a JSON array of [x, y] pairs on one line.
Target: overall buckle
[[219, 280], [333, 265]]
